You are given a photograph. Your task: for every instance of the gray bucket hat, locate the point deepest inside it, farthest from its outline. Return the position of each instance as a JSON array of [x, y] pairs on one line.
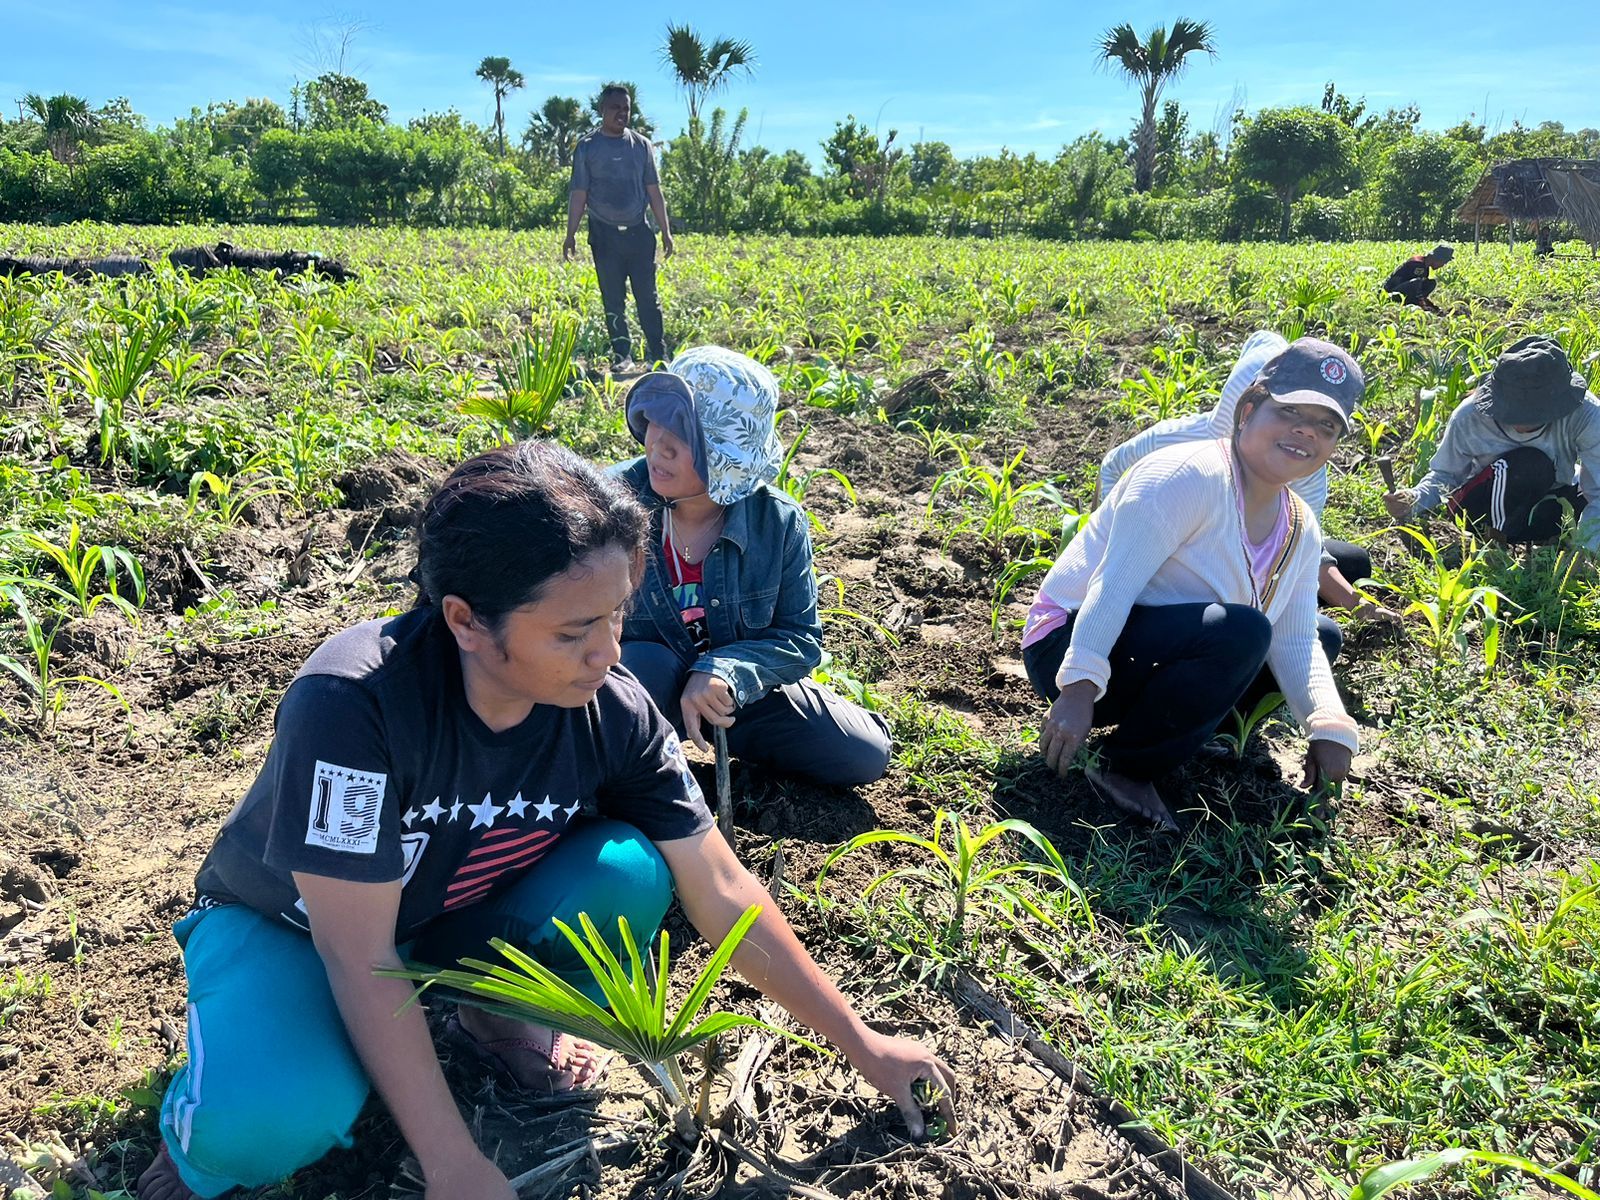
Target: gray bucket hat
[[1532, 383], [1442, 253]]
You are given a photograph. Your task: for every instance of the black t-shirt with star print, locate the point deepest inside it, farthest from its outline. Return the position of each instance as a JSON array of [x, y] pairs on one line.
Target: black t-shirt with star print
[[379, 770]]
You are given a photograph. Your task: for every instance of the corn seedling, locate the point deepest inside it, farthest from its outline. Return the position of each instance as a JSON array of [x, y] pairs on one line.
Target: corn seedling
[[1450, 599], [961, 875], [528, 391], [47, 691], [1389, 1176], [1246, 724], [937, 442], [233, 496], [796, 486], [78, 564], [1002, 505]]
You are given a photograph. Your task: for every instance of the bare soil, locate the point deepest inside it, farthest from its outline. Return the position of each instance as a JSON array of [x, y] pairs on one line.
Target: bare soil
[[105, 823]]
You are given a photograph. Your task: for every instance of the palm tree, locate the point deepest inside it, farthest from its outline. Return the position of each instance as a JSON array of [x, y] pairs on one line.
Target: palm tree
[[1152, 64], [701, 69], [66, 120], [497, 72], [555, 128]]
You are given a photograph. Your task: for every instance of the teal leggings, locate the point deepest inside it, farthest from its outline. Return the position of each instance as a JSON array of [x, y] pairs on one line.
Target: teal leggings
[[272, 1082]]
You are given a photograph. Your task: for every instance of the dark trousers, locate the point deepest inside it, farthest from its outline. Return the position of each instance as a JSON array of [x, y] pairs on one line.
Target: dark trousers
[[798, 729], [1176, 670], [1415, 291], [1176, 673], [1354, 563], [1517, 495], [623, 258]]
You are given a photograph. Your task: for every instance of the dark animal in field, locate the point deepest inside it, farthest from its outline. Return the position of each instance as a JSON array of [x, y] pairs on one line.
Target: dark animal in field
[[284, 262], [197, 260], [73, 268]]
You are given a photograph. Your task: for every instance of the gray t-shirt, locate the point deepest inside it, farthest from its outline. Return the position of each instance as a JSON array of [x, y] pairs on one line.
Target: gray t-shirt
[[614, 171]]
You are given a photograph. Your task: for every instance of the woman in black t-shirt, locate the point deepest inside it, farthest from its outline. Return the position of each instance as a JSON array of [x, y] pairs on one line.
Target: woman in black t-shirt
[[429, 788]]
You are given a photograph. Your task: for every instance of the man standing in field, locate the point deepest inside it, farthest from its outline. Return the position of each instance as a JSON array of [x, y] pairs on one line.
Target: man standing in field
[[614, 177]]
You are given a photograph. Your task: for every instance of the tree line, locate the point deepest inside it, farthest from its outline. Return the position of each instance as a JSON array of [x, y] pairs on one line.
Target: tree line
[[1333, 169]]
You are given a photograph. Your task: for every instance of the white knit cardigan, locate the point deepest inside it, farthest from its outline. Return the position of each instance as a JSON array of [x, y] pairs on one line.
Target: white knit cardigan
[[1170, 533]]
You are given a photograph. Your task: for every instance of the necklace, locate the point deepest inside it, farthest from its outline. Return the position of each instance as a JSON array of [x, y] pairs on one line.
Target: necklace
[[686, 548]]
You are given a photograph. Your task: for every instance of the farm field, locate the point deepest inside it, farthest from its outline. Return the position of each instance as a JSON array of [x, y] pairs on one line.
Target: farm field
[[1289, 991]]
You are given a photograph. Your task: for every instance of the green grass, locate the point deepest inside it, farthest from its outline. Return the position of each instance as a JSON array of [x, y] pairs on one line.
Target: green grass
[[1289, 993]]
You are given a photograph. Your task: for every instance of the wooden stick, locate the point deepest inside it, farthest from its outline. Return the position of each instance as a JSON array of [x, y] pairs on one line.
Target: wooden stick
[[724, 786], [1386, 469]]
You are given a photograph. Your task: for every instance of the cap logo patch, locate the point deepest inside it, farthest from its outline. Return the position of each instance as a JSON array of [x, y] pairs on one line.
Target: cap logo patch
[[1334, 371]]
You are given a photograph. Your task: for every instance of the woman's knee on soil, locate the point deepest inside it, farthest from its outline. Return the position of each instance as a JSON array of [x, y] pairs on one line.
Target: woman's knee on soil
[[267, 1129], [1241, 635], [613, 871], [859, 756]]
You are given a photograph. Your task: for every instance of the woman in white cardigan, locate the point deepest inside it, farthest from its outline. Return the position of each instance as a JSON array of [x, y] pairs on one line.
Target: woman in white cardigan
[[1198, 568]]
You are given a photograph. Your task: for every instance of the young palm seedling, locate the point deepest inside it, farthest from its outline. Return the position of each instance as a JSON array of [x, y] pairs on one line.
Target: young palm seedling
[[634, 1021], [530, 386]]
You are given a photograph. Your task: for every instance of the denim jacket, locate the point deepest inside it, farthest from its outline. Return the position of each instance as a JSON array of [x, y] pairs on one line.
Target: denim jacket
[[761, 594]]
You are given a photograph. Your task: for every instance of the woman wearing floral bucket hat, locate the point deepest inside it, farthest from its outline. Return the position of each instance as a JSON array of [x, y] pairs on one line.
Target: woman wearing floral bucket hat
[[1519, 453], [724, 630]]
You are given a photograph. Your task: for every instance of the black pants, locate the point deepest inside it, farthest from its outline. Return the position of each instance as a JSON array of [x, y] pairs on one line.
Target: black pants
[[1414, 291], [1176, 673], [799, 729], [1517, 495], [1354, 563], [622, 258]]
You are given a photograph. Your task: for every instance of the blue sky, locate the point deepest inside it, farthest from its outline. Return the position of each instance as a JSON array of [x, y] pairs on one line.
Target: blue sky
[[976, 75]]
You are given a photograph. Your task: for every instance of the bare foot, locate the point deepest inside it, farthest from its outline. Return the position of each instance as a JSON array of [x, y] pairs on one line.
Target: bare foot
[[161, 1180], [1137, 796], [537, 1058]]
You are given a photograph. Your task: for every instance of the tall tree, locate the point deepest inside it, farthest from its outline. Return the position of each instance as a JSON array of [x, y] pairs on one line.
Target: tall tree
[[496, 70], [1291, 150], [701, 69], [339, 102], [555, 129], [1151, 64], [66, 120]]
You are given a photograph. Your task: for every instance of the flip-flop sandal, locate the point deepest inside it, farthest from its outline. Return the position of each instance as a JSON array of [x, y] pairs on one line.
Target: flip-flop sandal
[[1163, 821], [550, 1080]]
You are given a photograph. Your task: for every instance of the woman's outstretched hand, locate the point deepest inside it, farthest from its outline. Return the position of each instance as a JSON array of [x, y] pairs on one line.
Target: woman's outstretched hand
[[895, 1066], [1066, 725], [1325, 762], [706, 698]]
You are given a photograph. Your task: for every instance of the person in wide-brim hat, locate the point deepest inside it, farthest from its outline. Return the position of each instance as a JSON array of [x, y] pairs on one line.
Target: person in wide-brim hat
[[1409, 283], [1519, 453]]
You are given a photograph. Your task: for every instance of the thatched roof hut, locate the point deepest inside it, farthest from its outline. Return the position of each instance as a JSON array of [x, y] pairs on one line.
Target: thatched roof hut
[[1535, 191]]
